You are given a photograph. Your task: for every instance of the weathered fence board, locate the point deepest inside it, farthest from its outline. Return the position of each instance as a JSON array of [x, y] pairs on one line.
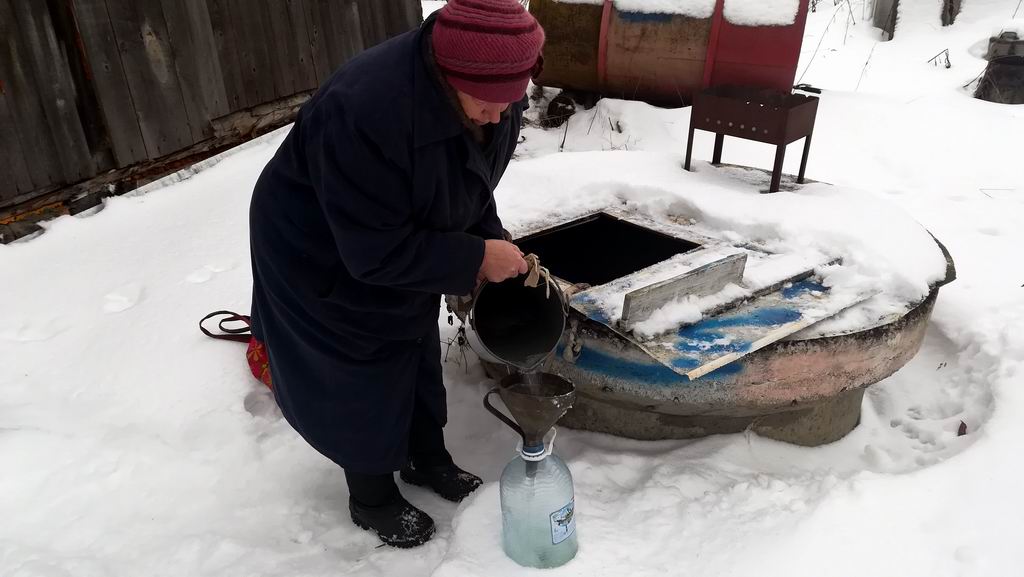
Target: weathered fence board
[[315, 26], [97, 93], [111, 86], [211, 77], [68, 36], [282, 54], [33, 132], [148, 60], [187, 57], [14, 176], [373, 21], [257, 74], [224, 40], [345, 38], [402, 16], [54, 90], [245, 62], [14, 172], [305, 72]]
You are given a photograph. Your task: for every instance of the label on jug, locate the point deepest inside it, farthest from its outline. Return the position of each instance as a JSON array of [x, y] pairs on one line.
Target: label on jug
[[563, 523]]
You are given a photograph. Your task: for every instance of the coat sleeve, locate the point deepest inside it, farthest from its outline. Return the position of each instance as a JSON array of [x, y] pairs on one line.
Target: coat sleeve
[[489, 226], [367, 201]]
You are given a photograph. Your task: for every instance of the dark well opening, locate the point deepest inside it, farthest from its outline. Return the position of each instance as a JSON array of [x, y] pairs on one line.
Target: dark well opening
[[601, 248]]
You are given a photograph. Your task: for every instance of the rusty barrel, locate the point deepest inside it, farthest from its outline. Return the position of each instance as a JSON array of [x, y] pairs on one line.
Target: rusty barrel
[[661, 58]]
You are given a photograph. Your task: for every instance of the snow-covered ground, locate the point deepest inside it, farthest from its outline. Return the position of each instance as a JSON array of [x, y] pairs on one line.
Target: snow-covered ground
[[132, 445]]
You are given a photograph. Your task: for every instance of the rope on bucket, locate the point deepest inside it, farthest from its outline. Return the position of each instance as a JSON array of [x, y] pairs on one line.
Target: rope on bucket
[[535, 273]]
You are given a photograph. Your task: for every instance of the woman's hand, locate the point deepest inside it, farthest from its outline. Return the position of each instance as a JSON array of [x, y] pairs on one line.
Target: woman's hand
[[502, 261]]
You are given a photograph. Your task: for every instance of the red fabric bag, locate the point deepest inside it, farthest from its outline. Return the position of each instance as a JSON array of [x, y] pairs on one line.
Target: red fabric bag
[[255, 354]]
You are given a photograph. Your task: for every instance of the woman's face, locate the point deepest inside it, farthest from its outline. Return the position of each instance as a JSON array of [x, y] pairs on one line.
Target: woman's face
[[479, 111]]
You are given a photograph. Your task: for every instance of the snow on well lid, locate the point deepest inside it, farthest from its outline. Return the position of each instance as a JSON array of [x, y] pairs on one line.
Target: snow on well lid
[[704, 308], [739, 12]]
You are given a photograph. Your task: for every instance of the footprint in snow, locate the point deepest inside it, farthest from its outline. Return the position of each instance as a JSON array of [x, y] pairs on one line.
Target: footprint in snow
[[261, 403], [223, 267], [123, 298], [33, 331], [206, 273], [199, 276]]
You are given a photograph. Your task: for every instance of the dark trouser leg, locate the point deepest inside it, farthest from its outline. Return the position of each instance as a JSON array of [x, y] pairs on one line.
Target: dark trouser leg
[[426, 438], [430, 464], [371, 490], [429, 413]]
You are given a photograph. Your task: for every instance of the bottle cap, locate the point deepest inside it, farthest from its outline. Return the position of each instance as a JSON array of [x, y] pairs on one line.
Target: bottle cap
[[540, 451]]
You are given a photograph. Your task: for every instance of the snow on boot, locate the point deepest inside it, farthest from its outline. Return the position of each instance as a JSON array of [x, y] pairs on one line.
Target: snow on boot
[[448, 481], [397, 523]]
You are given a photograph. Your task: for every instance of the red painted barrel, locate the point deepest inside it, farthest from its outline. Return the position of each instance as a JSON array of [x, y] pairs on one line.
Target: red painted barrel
[[662, 58]]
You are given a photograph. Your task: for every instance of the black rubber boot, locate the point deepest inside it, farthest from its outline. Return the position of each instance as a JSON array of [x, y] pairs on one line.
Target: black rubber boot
[[376, 505], [448, 480], [397, 523]]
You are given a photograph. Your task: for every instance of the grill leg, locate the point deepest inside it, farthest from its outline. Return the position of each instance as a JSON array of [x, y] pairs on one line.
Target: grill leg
[[716, 158], [780, 156], [689, 143], [803, 160]]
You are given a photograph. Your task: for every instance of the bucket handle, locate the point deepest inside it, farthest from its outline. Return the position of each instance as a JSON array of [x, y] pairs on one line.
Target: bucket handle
[[487, 404]]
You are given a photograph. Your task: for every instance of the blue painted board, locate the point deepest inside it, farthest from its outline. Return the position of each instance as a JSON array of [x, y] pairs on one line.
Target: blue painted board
[[717, 341]]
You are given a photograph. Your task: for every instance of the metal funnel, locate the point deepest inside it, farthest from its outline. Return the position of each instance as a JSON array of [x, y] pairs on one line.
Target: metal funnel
[[536, 401]]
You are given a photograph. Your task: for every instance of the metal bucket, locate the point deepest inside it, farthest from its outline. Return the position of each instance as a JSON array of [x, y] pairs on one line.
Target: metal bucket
[[516, 325]]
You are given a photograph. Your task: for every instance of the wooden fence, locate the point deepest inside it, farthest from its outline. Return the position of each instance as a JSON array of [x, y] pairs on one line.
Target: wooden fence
[[91, 87]]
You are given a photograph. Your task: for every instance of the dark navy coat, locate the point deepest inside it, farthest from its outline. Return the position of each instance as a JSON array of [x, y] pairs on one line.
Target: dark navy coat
[[377, 202]]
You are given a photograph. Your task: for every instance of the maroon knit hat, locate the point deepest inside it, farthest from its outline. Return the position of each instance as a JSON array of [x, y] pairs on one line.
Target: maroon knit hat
[[488, 49]]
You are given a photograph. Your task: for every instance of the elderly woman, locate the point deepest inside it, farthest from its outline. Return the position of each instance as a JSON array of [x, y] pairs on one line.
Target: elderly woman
[[377, 203]]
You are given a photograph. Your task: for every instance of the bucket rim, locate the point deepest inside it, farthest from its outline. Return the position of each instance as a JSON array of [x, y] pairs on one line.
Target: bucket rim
[[568, 386]]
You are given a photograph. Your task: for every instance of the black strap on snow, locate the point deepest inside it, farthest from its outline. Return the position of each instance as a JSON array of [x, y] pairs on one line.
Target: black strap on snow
[[239, 334]]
